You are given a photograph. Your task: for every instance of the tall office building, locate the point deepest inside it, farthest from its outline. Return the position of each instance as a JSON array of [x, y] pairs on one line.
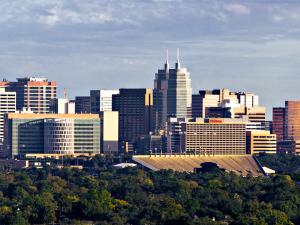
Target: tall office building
[[33, 93], [135, 114], [172, 93], [292, 120], [286, 125], [7, 105], [82, 104], [278, 122], [101, 100]]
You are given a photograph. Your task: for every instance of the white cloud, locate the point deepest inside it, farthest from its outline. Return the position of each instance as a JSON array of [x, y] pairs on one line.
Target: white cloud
[[237, 9]]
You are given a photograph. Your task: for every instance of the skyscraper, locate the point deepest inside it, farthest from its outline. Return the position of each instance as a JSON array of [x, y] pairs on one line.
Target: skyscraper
[[33, 93], [292, 120], [101, 100], [135, 113], [172, 93], [278, 122], [286, 124]]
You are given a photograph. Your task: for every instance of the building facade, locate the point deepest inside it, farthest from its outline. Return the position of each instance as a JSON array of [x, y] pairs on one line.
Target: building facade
[[109, 131], [215, 137], [135, 114], [33, 93], [172, 94], [101, 100], [7, 105], [27, 133], [279, 122], [82, 104], [227, 104], [260, 141], [62, 106]]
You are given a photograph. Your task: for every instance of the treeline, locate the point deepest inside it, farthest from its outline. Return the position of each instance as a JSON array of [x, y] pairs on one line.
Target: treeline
[[103, 195]]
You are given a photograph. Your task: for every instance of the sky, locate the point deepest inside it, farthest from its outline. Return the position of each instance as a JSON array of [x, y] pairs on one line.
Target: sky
[[249, 46]]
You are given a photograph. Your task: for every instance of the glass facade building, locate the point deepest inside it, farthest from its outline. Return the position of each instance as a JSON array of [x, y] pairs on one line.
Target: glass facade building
[[52, 133], [172, 94]]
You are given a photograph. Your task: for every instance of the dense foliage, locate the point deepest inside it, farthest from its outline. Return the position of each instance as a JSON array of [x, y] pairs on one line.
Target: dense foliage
[[103, 195], [283, 164]]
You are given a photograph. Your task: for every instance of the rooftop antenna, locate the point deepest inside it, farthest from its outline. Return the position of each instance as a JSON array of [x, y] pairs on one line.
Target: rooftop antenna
[[167, 61], [65, 93], [177, 63]]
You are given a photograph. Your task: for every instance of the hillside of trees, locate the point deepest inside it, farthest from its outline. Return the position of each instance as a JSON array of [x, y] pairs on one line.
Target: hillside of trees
[[103, 195]]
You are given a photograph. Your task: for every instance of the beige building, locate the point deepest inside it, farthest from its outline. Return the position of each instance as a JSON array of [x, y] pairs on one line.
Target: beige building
[[215, 137], [109, 131], [254, 114], [225, 102], [260, 141]]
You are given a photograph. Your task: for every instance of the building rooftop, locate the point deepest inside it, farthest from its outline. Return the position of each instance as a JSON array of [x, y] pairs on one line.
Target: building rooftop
[[51, 116]]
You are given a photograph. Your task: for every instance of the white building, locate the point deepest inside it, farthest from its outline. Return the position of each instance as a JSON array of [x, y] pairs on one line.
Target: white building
[[7, 104], [101, 100], [62, 106], [59, 136], [247, 99]]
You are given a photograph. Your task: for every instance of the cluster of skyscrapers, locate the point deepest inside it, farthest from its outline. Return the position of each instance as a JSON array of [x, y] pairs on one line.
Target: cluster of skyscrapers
[[166, 119]]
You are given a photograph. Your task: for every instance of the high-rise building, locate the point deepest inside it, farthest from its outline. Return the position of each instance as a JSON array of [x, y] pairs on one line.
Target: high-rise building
[[82, 104], [101, 100], [135, 114], [279, 122], [7, 105], [286, 125], [33, 93], [172, 93], [29, 133], [62, 106], [292, 120]]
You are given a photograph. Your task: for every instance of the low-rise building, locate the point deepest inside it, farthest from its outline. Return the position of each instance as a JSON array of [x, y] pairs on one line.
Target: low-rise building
[[259, 141], [51, 133]]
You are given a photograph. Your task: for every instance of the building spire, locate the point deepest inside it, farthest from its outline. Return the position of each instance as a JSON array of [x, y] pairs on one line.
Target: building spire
[[178, 62], [167, 60]]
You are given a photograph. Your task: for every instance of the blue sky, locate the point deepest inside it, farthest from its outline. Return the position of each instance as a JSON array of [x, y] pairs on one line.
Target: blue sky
[[93, 44]]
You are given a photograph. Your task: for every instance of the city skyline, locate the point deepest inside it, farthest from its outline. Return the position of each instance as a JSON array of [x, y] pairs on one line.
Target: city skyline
[[244, 46]]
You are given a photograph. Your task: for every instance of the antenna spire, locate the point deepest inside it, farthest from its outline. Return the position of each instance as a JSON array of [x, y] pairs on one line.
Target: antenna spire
[[178, 62], [65, 93], [167, 61]]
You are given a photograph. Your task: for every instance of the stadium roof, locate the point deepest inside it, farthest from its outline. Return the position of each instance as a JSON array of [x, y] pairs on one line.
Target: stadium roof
[[240, 164]]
